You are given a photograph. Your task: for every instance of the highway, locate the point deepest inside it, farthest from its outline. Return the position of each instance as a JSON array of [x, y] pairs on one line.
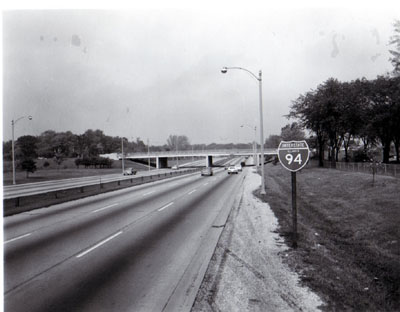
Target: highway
[[136, 249], [11, 191]]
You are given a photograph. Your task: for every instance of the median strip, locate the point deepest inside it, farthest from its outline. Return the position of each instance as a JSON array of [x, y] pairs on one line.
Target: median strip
[[166, 206], [99, 244], [97, 210], [17, 238]]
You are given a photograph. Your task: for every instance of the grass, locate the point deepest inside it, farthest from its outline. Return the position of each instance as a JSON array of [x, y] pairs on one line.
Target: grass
[[349, 235]]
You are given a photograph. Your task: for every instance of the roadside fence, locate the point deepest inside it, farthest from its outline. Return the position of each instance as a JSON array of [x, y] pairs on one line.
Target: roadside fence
[[365, 167]]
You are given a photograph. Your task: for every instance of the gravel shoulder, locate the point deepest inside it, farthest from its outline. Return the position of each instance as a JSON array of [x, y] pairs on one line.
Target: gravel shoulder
[[247, 271]]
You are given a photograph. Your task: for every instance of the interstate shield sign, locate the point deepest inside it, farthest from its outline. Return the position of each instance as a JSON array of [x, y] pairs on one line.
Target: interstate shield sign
[[293, 155]]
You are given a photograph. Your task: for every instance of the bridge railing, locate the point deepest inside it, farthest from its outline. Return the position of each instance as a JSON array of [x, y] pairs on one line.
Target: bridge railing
[[198, 153]]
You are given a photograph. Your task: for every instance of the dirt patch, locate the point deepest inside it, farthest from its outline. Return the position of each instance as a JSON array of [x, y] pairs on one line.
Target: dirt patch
[[349, 235], [246, 272]]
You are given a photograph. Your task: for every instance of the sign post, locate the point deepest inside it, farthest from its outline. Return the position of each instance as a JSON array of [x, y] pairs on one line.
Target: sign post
[[293, 155]]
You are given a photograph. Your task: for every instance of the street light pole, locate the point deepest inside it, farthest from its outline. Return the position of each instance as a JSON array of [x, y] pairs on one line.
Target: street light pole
[[13, 122], [148, 151], [255, 146], [224, 70], [254, 143], [122, 150], [177, 157]]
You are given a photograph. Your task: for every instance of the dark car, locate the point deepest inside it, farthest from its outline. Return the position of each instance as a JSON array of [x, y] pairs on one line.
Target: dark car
[[129, 171], [207, 171]]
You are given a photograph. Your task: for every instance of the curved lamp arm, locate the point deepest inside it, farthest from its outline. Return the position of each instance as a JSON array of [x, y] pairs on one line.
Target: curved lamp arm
[[225, 69]]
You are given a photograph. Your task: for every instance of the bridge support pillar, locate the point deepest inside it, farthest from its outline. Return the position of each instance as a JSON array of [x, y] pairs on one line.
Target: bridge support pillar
[[162, 162], [209, 161]]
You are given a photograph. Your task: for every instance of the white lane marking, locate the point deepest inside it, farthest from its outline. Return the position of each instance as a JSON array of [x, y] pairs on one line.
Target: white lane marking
[[100, 209], [205, 183], [17, 238], [148, 193], [166, 206], [99, 244], [191, 192]]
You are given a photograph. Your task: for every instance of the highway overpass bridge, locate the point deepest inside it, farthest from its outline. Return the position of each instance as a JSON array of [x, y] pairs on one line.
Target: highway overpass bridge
[[161, 158]]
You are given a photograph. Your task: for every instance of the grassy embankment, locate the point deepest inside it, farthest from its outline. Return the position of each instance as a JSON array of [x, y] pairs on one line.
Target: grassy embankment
[[349, 235]]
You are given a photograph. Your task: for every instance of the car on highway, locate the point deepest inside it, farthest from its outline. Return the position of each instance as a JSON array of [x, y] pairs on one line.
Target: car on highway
[[207, 171], [232, 170], [175, 167], [129, 171], [238, 167]]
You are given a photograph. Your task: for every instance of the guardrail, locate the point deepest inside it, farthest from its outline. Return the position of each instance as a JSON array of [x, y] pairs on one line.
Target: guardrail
[[30, 202]]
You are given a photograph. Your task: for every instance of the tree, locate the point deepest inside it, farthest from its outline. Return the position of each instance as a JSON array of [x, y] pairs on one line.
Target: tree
[[395, 40], [329, 97], [46, 144], [292, 132], [396, 115], [26, 147], [28, 165], [7, 150], [140, 146], [58, 159], [352, 109], [273, 141], [311, 114], [178, 142], [26, 152], [383, 112]]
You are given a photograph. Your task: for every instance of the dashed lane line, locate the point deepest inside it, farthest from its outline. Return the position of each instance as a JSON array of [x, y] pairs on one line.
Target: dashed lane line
[[191, 192], [99, 244], [166, 206], [17, 238], [100, 209]]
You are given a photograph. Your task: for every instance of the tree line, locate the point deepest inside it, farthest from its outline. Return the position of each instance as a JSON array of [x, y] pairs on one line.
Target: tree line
[[51, 144], [339, 113]]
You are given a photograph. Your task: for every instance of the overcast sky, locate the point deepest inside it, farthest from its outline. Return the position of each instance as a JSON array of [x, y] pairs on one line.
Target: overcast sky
[[150, 73]]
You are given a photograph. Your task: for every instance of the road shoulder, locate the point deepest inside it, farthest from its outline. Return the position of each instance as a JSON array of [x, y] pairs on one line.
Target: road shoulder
[[247, 272]]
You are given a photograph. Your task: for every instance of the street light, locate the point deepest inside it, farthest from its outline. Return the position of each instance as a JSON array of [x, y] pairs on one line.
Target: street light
[[148, 152], [224, 70], [254, 143], [13, 122], [122, 151]]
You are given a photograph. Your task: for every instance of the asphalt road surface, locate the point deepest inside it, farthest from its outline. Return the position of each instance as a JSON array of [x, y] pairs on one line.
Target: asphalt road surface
[[128, 250]]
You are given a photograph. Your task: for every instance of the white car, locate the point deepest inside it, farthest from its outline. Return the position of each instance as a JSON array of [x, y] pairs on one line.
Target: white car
[[232, 170], [238, 167]]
